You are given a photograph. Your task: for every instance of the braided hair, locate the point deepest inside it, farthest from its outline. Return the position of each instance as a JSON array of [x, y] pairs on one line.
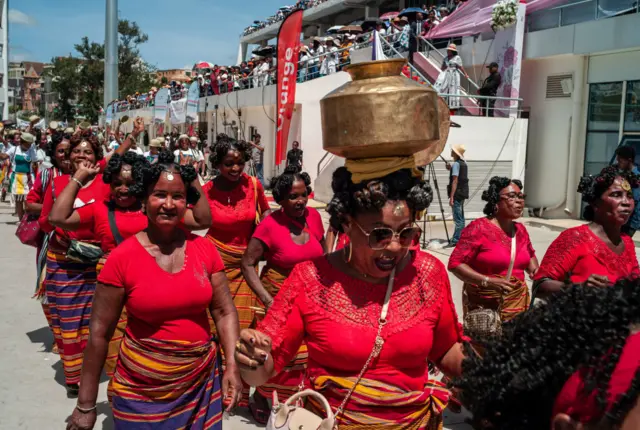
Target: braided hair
[[147, 175], [593, 187], [515, 384], [492, 194], [115, 164], [281, 185], [371, 196], [224, 144]]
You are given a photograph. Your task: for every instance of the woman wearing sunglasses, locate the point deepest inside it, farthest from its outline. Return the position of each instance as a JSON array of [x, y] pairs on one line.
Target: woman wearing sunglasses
[[371, 314], [494, 253], [287, 237]]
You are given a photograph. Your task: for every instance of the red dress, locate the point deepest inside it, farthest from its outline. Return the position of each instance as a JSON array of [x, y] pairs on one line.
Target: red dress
[[578, 253], [157, 309], [96, 218], [337, 316], [234, 212]]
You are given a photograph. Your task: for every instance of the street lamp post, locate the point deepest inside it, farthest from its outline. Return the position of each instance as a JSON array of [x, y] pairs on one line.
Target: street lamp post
[[111, 53]]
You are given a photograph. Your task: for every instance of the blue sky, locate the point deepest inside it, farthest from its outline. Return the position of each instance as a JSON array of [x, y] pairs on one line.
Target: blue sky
[[180, 32]]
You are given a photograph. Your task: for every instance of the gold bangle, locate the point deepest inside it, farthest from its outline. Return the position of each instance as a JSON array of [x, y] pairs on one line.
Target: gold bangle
[[77, 181], [86, 411]]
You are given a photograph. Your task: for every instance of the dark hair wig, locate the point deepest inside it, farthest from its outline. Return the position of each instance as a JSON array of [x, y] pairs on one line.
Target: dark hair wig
[[492, 194], [87, 136], [371, 196], [137, 162], [515, 383], [223, 145], [281, 185], [593, 187], [147, 175]]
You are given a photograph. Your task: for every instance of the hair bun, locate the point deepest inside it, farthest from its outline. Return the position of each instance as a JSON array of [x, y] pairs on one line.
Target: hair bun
[[165, 157]]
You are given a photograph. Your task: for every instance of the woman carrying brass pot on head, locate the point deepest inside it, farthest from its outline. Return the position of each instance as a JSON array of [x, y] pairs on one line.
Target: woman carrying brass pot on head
[[494, 253]]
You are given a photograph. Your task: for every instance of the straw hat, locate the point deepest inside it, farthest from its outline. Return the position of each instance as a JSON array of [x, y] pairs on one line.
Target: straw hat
[[155, 143], [193, 139], [459, 149], [28, 137], [161, 140], [183, 136], [53, 125], [452, 47], [68, 130], [34, 118]]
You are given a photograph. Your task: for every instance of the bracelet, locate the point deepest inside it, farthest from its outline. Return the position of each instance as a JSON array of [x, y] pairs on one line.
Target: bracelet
[[86, 411], [77, 181]]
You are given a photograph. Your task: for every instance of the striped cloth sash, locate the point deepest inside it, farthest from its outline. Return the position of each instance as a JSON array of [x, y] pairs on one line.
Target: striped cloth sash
[[162, 384], [379, 405], [513, 303]]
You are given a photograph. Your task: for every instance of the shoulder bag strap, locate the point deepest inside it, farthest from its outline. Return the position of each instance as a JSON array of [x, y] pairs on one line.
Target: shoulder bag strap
[[513, 254], [112, 224], [377, 346], [254, 181]]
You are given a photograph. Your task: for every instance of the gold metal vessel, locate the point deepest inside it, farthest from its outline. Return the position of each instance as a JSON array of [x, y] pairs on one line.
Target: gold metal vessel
[[382, 114]]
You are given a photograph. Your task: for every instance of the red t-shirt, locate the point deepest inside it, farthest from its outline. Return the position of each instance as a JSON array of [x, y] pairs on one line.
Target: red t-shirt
[[96, 218], [94, 193], [162, 305], [234, 212], [282, 251]]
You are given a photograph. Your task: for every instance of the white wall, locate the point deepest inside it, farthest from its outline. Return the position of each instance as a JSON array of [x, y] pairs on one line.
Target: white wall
[[619, 66]]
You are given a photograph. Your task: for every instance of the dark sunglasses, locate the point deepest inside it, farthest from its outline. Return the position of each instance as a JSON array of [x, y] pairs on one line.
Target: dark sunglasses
[[381, 237]]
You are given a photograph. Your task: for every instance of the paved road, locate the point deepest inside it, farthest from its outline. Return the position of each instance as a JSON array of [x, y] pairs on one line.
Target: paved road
[[32, 393]]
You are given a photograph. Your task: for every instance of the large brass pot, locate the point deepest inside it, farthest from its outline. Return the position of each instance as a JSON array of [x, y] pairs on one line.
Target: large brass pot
[[380, 114]]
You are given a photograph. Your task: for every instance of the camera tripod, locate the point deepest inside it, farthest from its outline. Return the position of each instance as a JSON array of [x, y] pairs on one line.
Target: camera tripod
[[429, 174]]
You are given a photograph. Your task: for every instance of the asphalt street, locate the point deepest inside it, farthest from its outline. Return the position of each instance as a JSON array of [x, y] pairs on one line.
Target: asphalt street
[[32, 392]]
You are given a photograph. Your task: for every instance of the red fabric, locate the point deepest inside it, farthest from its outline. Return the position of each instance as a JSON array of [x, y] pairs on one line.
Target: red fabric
[[283, 252], [580, 253], [337, 316], [584, 408], [36, 194], [102, 164], [234, 212], [94, 193], [162, 305], [96, 218], [486, 248]]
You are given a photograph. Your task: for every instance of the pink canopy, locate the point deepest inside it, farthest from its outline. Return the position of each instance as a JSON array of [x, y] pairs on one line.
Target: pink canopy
[[474, 17]]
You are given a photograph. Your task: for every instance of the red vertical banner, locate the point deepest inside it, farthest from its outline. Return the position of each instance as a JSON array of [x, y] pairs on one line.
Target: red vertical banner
[[288, 49]]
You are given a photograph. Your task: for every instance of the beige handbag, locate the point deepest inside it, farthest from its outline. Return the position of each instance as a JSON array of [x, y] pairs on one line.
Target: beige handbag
[[290, 416], [488, 322]]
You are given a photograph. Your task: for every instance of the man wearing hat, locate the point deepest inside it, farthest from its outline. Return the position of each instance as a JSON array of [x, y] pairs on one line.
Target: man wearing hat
[[490, 88], [154, 150], [457, 190]]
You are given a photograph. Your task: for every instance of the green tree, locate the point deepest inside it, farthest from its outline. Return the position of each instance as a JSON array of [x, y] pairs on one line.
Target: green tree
[[135, 74], [65, 83]]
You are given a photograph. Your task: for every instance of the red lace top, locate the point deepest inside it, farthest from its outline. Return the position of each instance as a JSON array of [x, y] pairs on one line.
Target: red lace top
[[486, 248], [337, 316], [234, 212], [579, 253]]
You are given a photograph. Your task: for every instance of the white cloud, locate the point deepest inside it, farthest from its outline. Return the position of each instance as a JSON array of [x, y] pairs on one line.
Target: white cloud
[[20, 18]]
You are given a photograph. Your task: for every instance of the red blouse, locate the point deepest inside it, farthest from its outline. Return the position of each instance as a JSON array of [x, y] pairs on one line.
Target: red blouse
[[337, 316], [94, 193], [96, 218], [579, 253], [37, 192], [282, 251], [234, 212], [486, 248], [162, 305]]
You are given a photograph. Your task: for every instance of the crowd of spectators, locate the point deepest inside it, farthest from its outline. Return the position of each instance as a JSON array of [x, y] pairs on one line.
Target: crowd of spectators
[[281, 14]]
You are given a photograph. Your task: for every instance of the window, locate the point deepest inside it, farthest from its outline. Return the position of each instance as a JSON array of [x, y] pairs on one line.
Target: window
[[1, 50], [632, 107], [605, 104]]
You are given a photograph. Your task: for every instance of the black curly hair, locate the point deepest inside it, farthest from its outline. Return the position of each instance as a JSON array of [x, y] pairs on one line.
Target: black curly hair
[[86, 135], [281, 185], [115, 164], [593, 187], [223, 145], [56, 139], [492, 194], [371, 196], [515, 384], [147, 175]]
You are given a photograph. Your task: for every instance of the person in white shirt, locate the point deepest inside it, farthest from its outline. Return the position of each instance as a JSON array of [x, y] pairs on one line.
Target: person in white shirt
[[184, 154], [314, 63], [331, 60], [154, 150], [21, 157]]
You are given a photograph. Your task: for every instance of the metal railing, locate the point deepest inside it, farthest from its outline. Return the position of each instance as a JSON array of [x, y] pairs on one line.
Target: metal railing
[[466, 83], [580, 11]]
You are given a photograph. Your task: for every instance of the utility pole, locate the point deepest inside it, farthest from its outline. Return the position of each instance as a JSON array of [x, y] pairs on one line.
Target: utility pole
[[111, 53]]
